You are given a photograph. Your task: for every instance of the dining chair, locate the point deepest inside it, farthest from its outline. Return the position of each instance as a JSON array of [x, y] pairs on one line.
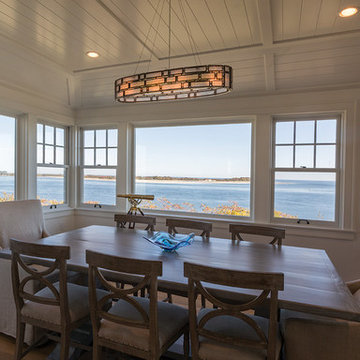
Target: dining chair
[[137, 326], [205, 227], [60, 307], [314, 337], [122, 219], [278, 234], [228, 332]]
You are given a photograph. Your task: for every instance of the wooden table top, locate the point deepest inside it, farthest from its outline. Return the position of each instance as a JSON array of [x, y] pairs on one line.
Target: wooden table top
[[312, 283]]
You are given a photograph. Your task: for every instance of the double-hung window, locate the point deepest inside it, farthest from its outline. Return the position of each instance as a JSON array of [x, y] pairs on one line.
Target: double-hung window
[[7, 158], [306, 169], [52, 164], [98, 166], [202, 168]]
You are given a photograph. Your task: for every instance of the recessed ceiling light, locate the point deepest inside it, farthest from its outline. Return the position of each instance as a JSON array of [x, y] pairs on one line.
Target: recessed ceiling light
[[92, 54], [349, 11]]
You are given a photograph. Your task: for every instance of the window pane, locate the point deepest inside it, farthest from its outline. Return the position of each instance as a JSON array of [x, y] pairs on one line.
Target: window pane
[[305, 131], [202, 168], [40, 133], [305, 195], [112, 137], [100, 156], [89, 157], [40, 154], [284, 156], [89, 138], [100, 138], [60, 155], [99, 186], [325, 156], [7, 163], [284, 132], [112, 157], [60, 136], [304, 156], [326, 131], [49, 134], [49, 154], [51, 185]]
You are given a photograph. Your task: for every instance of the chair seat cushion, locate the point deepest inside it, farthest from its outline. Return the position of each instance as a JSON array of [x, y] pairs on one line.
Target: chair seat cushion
[[171, 319], [357, 296], [77, 299], [233, 327]]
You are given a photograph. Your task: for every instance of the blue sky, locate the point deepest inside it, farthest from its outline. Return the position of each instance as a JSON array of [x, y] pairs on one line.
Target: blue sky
[[7, 143], [194, 151], [219, 151]]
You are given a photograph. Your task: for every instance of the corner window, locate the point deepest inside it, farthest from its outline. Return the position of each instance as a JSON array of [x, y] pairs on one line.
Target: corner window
[[196, 169], [52, 165], [98, 166], [306, 155], [7, 158]]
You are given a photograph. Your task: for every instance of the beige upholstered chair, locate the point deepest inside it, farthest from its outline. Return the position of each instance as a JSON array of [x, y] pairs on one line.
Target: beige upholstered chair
[[228, 332], [141, 327], [21, 220], [122, 219], [313, 337], [59, 307], [277, 234]]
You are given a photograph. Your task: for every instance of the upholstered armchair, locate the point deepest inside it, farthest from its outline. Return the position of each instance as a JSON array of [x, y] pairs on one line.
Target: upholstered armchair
[[21, 220], [314, 337]]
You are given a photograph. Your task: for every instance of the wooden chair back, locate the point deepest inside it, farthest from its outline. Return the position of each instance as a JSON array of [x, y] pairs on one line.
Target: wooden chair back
[[60, 254], [278, 234], [149, 270], [269, 283], [206, 227], [122, 219]]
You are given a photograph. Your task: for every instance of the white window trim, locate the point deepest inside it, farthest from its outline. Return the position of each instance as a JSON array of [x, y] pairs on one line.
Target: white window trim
[[195, 122], [337, 223], [82, 167], [66, 165]]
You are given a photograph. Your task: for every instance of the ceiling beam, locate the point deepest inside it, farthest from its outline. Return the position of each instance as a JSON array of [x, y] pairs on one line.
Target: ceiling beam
[[265, 21], [269, 66]]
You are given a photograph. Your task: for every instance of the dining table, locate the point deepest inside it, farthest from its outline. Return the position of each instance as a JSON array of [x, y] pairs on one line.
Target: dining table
[[311, 281]]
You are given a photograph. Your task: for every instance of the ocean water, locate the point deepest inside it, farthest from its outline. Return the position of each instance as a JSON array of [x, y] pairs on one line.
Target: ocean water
[[314, 200]]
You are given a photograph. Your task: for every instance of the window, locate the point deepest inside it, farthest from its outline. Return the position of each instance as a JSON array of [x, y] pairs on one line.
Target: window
[[52, 165], [7, 158], [99, 161], [306, 155], [197, 168]]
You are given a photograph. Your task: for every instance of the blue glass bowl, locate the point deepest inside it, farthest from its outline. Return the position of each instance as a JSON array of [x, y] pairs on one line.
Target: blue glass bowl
[[169, 242]]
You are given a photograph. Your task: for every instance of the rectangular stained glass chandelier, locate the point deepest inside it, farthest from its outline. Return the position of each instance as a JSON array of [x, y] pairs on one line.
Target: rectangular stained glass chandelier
[[174, 84]]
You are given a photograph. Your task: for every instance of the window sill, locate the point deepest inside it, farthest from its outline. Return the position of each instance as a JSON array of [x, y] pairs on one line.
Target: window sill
[[222, 225], [63, 210]]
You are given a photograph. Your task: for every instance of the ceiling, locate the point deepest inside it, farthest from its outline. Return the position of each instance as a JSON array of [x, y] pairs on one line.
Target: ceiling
[[271, 44]]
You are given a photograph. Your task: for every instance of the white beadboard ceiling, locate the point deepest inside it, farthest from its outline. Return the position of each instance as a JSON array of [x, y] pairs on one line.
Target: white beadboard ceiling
[[271, 44]]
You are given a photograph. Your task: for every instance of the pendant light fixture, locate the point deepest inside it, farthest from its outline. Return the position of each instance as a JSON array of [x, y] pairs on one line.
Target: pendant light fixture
[[179, 83]]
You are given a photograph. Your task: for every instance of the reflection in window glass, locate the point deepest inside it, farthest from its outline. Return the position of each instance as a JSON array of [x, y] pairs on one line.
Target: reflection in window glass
[[51, 185], [49, 134], [112, 138], [99, 186], [100, 138], [305, 132], [89, 157], [60, 136], [326, 131], [284, 132], [89, 138], [100, 157], [284, 156], [201, 169], [305, 195], [40, 133], [326, 156], [7, 162], [304, 156]]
